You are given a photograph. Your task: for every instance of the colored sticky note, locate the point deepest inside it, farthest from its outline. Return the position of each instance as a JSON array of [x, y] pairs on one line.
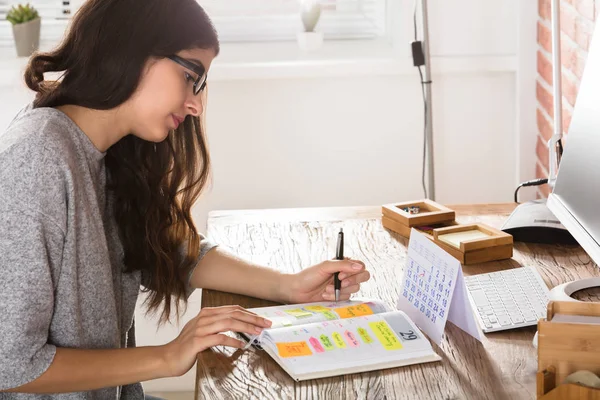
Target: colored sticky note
[[338, 340], [326, 342], [385, 335], [298, 313], [351, 339], [329, 315], [316, 308], [316, 345], [354, 311], [293, 349], [364, 335]]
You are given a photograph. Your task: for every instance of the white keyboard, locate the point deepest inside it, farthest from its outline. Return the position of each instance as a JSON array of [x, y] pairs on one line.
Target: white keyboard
[[508, 299]]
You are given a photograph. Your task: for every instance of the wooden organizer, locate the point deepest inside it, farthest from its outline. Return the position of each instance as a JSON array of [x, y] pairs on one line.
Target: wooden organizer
[[436, 222], [564, 348]]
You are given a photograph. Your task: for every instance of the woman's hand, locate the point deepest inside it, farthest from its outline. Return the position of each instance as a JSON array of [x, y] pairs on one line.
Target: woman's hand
[[205, 330], [316, 283]]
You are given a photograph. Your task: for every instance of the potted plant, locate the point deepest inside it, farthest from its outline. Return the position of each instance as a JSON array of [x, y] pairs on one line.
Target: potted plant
[[25, 22], [311, 12]]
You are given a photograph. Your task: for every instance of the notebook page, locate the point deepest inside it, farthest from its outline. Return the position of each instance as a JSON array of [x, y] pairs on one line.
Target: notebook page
[[357, 342], [300, 314]]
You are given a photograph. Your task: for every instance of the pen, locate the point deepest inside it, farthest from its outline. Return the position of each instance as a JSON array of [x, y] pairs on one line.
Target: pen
[[339, 255]]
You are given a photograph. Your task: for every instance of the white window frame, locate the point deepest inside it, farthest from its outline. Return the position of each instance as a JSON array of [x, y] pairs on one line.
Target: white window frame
[[237, 27]]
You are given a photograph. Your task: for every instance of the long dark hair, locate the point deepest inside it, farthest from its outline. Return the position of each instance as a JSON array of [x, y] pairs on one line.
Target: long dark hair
[[154, 185]]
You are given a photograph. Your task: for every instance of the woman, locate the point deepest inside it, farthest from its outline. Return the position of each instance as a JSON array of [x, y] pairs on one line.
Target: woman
[[97, 178]]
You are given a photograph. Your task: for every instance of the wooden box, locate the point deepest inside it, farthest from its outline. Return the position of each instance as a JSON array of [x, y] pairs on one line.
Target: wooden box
[[478, 242], [430, 213], [474, 243], [567, 347]]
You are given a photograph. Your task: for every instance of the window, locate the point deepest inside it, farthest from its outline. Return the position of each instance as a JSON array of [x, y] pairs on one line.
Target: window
[[262, 20], [239, 20], [54, 13]]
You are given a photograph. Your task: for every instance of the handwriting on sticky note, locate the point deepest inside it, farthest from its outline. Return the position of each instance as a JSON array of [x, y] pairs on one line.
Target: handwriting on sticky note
[[354, 311], [385, 335], [338, 340], [351, 339], [326, 342], [316, 308], [329, 315], [362, 332], [316, 345], [298, 313], [293, 349]]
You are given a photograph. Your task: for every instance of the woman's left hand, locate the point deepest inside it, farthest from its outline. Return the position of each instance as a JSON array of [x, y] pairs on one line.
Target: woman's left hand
[[316, 283]]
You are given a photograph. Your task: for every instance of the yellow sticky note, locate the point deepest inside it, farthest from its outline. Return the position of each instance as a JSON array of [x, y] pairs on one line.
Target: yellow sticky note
[[354, 311], [385, 335], [329, 315], [298, 313], [362, 332], [338, 340], [293, 349], [316, 308]]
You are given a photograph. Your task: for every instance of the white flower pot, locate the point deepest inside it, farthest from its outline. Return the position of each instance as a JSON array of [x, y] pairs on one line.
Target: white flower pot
[[27, 37], [310, 41]]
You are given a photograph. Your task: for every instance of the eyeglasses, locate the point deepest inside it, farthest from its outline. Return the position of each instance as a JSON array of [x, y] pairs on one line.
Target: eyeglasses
[[200, 82]]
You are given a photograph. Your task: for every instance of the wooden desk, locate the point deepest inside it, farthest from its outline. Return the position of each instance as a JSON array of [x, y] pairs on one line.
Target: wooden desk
[[503, 367]]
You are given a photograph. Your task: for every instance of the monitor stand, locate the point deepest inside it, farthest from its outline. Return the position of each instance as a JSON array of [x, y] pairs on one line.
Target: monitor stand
[[533, 222]]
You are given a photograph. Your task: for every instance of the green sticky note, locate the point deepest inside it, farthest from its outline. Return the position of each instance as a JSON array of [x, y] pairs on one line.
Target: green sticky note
[[326, 342]]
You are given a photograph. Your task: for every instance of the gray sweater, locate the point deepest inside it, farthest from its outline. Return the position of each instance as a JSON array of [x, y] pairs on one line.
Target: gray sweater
[[61, 271]]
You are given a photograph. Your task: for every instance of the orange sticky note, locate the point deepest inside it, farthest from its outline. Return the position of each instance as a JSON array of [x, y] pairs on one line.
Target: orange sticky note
[[293, 349], [354, 311]]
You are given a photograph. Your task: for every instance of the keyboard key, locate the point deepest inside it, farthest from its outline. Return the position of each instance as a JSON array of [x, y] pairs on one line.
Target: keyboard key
[[516, 319], [479, 298], [504, 320], [529, 316]]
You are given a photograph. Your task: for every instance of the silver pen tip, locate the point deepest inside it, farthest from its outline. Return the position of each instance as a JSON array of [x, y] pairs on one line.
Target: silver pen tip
[[337, 295]]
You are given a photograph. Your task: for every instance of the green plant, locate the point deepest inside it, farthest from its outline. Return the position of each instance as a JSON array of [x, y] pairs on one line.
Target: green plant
[[21, 14]]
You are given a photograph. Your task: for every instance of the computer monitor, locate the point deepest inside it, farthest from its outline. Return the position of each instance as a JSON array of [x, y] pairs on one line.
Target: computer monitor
[[575, 199]]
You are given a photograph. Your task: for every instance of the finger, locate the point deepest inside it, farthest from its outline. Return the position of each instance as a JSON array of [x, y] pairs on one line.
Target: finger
[[228, 324], [356, 279], [344, 267], [350, 289], [331, 296], [220, 340], [239, 314], [219, 310]]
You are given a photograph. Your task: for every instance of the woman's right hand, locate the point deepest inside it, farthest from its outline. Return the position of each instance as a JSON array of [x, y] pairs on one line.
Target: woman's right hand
[[205, 330]]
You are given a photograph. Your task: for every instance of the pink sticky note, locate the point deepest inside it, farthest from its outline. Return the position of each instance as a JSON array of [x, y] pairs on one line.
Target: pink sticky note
[[351, 339], [316, 345]]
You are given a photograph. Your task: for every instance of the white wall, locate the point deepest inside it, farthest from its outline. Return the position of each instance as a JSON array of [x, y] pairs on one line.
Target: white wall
[[356, 139]]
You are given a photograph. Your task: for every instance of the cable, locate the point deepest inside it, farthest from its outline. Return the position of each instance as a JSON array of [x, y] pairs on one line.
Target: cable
[[418, 61], [424, 133], [534, 182]]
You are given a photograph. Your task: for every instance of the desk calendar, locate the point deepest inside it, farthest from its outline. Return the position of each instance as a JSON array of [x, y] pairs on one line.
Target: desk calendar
[[433, 290]]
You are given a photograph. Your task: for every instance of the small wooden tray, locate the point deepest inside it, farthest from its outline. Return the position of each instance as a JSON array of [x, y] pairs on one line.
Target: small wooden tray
[[431, 213], [405, 230], [564, 348], [474, 243]]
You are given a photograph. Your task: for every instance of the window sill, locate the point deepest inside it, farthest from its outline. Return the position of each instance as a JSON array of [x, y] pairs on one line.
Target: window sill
[[243, 61]]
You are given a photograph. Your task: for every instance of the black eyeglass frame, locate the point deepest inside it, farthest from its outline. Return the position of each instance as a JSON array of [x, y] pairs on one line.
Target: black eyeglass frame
[[200, 82]]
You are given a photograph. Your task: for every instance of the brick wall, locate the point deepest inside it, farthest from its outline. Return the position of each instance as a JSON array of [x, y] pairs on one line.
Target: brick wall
[[576, 24]]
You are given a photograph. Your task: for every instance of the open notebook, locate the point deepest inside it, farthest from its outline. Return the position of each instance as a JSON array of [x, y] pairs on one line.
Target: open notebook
[[317, 340]]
